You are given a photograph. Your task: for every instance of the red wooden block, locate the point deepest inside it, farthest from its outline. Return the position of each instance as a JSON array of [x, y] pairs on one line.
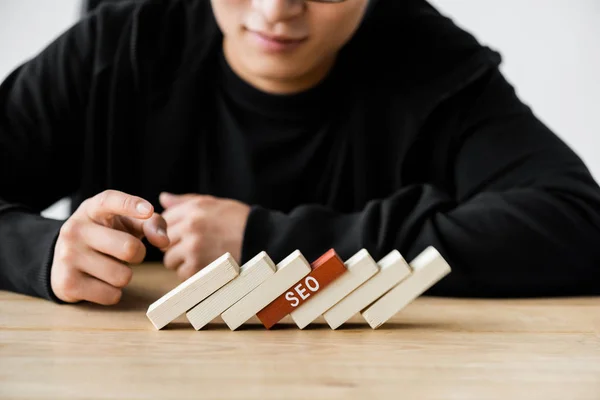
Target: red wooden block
[[324, 271]]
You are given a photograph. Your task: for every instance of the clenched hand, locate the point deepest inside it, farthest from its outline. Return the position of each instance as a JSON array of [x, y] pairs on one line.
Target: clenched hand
[[98, 241], [202, 228]]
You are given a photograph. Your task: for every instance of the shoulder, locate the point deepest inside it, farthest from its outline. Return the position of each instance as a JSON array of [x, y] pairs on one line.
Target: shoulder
[[171, 38], [410, 46], [152, 36]]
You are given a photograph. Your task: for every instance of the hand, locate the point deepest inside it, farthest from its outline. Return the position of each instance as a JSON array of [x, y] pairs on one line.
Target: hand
[[202, 228], [97, 241]]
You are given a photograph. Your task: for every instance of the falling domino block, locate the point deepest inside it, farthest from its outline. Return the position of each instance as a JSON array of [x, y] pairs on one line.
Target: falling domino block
[[193, 290], [325, 270], [289, 271], [428, 268], [252, 274], [360, 268], [393, 268]]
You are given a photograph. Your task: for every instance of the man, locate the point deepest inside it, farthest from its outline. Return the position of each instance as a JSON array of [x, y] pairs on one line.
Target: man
[[183, 129]]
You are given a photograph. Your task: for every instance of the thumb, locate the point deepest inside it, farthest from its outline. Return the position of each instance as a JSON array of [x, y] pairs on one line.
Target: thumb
[[155, 230], [167, 199]]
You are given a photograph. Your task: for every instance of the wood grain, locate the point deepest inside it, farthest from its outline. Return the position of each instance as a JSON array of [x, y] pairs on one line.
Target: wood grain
[[193, 290], [360, 268], [428, 268], [393, 268], [433, 349], [291, 269], [252, 274], [324, 270]]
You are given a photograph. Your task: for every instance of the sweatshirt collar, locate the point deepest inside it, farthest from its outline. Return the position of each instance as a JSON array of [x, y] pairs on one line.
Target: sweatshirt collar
[[309, 104]]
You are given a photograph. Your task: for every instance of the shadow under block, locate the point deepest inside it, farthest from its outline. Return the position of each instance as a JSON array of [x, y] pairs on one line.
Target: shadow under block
[[360, 268], [393, 268], [429, 267], [253, 273], [289, 271], [325, 270], [193, 290]]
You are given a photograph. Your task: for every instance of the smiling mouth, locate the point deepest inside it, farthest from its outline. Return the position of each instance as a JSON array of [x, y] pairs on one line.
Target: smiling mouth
[[282, 39], [275, 43]]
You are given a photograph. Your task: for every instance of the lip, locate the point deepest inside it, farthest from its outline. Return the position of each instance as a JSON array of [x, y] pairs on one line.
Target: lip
[[275, 44]]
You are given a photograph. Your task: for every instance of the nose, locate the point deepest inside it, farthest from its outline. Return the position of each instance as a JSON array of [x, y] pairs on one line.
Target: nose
[[278, 10]]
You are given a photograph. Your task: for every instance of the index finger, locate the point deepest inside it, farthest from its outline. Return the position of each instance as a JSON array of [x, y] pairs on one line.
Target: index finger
[[113, 202]]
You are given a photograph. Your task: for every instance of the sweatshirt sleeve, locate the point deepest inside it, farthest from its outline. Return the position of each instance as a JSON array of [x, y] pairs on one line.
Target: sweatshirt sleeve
[[42, 108], [522, 218]]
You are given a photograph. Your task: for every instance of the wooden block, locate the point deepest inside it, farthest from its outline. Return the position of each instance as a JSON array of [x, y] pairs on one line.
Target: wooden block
[[253, 273], [393, 268], [193, 290], [325, 270], [360, 268], [289, 271], [428, 268]]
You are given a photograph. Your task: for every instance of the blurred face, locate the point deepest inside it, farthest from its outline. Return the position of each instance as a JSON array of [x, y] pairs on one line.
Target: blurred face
[[285, 46]]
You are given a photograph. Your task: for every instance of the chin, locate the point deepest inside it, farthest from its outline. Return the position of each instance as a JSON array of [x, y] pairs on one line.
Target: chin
[[277, 70]]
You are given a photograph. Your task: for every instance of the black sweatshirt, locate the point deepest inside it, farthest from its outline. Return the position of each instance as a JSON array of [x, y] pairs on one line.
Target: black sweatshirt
[[414, 139]]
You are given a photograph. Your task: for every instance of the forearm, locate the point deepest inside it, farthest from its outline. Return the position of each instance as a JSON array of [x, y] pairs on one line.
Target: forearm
[[521, 242], [26, 248], [42, 106]]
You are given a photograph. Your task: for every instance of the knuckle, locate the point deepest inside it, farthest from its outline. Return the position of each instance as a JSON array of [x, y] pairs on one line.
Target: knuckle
[[102, 198], [130, 249], [85, 204], [197, 215], [67, 255], [185, 272], [124, 277], [189, 224], [128, 276], [69, 283], [113, 297], [198, 223], [166, 260], [65, 282], [107, 198], [195, 261], [169, 265], [70, 229], [204, 200], [169, 261], [196, 244], [126, 203], [199, 202], [141, 254]]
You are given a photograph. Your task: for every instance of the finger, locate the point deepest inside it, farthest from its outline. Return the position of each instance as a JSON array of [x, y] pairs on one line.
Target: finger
[[187, 269], [175, 256], [154, 229], [181, 212], [168, 200], [97, 291], [107, 269], [120, 245], [112, 202], [177, 232]]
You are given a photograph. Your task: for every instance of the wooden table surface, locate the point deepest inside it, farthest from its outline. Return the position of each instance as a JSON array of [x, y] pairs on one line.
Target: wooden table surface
[[433, 349]]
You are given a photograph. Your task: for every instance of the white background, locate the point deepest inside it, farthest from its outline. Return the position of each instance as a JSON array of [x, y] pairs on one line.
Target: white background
[[551, 51]]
